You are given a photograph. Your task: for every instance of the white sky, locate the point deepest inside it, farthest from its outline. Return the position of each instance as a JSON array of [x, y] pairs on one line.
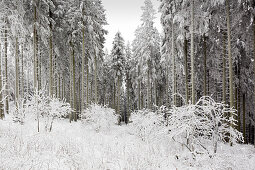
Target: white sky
[[124, 16]]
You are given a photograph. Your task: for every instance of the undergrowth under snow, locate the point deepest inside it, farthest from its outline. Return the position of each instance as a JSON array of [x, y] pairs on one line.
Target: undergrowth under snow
[[80, 145]]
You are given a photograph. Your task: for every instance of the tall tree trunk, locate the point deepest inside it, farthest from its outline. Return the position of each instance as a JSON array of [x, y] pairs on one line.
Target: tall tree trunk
[[6, 70], [83, 71], [35, 49], [28, 77], [114, 96], [22, 72], [231, 83], [51, 62], [186, 69], [254, 76], [59, 85], [87, 84], [70, 89], [128, 93], [79, 97], [224, 70], [205, 67], [16, 74], [239, 100], [155, 93], [74, 92], [91, 87], [148, 87], [192, 53], [40, 69], [244, 123], [139, 89], [63, 87], [118, 96], [1, 88], [174, 90], [167, 86], [95, 78]]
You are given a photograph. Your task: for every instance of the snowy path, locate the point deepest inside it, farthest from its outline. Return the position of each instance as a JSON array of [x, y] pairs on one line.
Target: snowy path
[[76, 146]]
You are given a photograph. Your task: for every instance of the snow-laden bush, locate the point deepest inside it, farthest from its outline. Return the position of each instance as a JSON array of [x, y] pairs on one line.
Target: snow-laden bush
[[57, 109], [99, 117], [42, 106], [147, 125], [201, 126], [20, 111]]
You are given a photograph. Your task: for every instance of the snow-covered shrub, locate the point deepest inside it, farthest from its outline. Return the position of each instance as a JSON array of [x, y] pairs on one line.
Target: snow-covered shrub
[[201, 126], [147, 125], [42, 106], [20, 111], [99, 117], [57, 109]]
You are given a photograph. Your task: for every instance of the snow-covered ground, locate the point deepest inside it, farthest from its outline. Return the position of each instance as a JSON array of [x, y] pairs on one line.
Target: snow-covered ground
[[79, 146]]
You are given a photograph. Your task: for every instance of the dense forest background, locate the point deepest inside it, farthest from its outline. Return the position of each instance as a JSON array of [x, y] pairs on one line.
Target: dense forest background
[[56, 47]]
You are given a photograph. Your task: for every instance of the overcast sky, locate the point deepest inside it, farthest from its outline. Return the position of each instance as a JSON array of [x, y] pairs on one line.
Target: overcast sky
[[124, 16]]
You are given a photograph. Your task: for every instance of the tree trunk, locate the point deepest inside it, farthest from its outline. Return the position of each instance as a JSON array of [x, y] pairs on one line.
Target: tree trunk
[[139, 89], [35, 49], [51, 63], [59, 85], [118, 97], [74, 88], [254, 76], [1, 88], [244, 123], [70, 89], [231, 83], [174, 91], [192, 53], [239, 96], [128, 95], [186, 69], [114, 95], [224, 70], [205, 67], [95, 74], [16, 74], [6, 71], [83, 71], [91, 87], [22, 73], [167, 86], [155, 93], [87, 84], [40, 70], [148, 88]]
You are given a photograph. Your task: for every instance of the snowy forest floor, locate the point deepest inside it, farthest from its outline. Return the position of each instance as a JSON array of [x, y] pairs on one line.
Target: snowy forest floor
[[79, 146]]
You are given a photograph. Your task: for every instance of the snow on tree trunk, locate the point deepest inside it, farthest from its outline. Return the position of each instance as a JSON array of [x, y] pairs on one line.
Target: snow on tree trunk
[[186, 69], [51, 62], [35, 49], [254, 73], [95, 75], [192, 53], [1, 88], [6, 70], [174, 90], [70, 88], [205, 67], [74, 87], [83, 71], [16, 73], [231, 83], [22, 72], [224, 70]]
